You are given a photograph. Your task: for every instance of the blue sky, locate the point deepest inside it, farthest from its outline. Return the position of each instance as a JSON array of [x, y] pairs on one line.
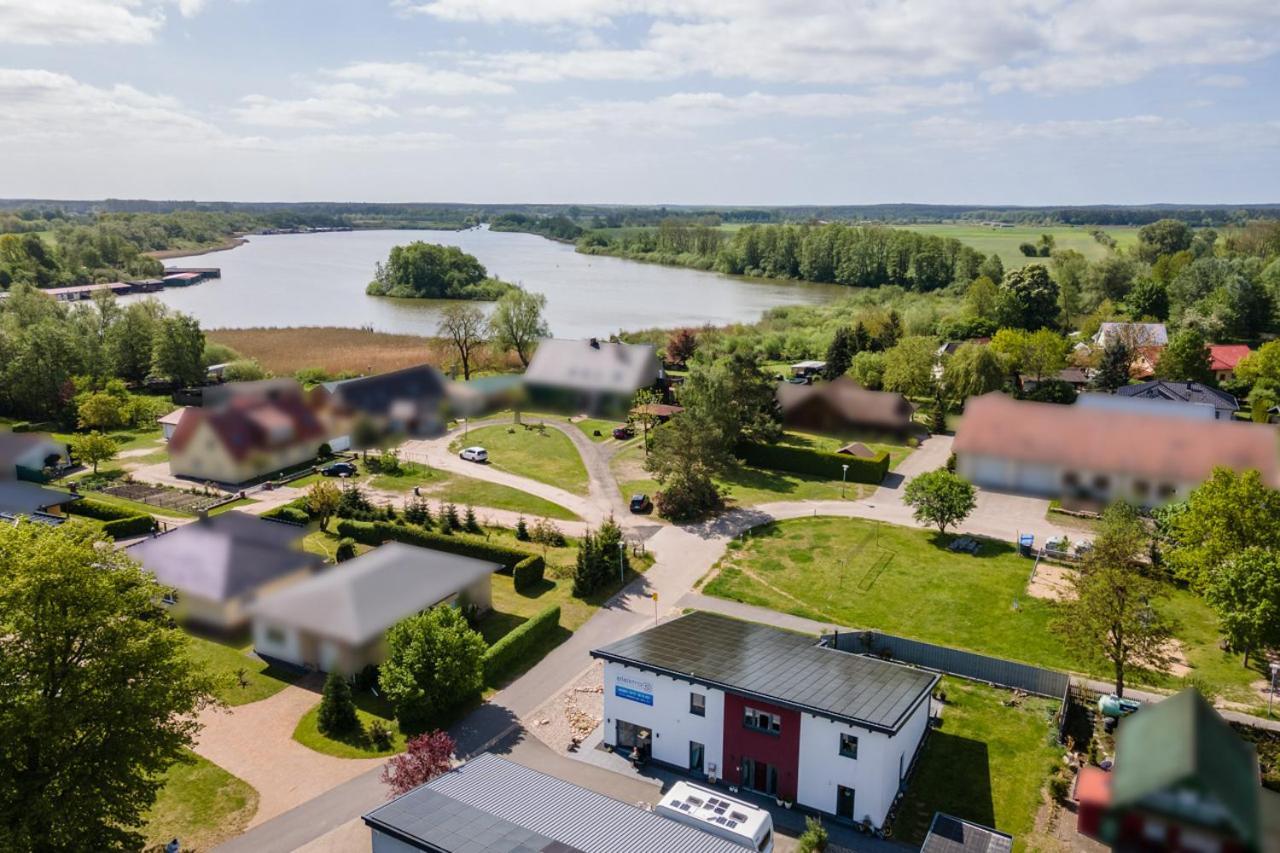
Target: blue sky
[[643, 101]]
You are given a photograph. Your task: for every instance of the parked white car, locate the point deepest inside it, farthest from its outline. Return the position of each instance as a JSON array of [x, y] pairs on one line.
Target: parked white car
[[475, 454]]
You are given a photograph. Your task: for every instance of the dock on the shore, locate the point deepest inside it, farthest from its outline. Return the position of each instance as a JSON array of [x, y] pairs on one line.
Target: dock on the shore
[[185, 276]]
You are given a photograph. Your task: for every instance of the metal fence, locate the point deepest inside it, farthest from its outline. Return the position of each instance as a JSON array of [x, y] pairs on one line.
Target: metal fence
[[1005, 673]]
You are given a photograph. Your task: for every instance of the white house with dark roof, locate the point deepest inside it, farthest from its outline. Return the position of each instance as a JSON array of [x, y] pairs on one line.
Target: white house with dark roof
[[338, 619], [591, 375], [768, 710]]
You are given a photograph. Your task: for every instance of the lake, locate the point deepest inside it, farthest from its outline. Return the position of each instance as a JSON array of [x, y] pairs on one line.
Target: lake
[[319, 280]]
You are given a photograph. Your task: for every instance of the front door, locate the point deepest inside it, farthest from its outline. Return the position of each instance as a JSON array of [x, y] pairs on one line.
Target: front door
[[696, 751], [760, 776], [844, 802], [629, 736]]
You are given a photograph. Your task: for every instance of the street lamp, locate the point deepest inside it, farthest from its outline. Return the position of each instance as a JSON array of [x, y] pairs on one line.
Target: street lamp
[[844, 474], [621, 551], [1275, 670]]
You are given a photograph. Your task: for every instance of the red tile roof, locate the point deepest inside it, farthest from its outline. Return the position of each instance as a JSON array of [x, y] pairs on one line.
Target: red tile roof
[[245, 425], [1226, 356], [1082, 438]]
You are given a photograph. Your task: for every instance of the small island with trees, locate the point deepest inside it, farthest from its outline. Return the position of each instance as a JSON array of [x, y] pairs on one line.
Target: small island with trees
[[427, 271]]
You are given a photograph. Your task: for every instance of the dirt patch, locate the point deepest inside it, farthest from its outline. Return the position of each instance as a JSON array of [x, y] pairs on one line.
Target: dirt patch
[[573, 713], [1055, 830], [1052, 582]]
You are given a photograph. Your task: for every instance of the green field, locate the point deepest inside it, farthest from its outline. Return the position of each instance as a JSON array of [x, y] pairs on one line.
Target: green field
[[200, 804], [546, 455], [987, 763], [857, 573], [1005, 241]]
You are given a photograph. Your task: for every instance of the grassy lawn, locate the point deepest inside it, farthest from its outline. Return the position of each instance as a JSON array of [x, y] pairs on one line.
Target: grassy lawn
[[200, 804], [546, 456], [223, 660], [137, 507], [591, 425], [469, 491], [239, 503], [856, 573], [987, 763], [369, 708], [830, 444], [744, 486], [1005, 241]]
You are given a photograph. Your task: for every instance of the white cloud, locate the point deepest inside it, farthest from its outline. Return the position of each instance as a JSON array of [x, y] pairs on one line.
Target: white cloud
[[367, 143], [436, 111], [411, 77], [1223, 81], [308, 112], [1110, 134], [44, 22], [42, 104]]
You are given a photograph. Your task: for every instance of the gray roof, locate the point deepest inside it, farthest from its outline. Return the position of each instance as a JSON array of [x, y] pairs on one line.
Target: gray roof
[[949, 834], [360, 599], [491, 805], [224, 557], [16, 444], [1181, 392], [18, 497], [378, 394], [593, 365], [778, 666]]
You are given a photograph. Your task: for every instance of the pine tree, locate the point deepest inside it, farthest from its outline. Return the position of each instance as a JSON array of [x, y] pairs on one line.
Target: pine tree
[[522, 530], [839, 354], [938, 421], [469, 522], [337, 710], [451, 513], [860, 340], [892, 331], [584, 570], [609, 543], [1113, 371]]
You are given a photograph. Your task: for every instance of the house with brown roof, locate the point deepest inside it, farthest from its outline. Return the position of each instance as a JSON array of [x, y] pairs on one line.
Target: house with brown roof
[[843, 406], [1099, 454], [245, 436]]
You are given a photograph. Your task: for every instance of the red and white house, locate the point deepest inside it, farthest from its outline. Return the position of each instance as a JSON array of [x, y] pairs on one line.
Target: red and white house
[[768, 710]]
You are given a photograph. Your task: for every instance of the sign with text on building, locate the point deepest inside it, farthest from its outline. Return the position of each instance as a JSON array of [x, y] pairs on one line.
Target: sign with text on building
[[633, 689]]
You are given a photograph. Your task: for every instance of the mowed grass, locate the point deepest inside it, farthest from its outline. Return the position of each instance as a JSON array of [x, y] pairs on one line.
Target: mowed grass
[[988, 763], [339, 351], [832, 443], [1005, 241], [546, 455], [200, 804], [223, 660], [590, 426], [903, 580], [462, 490], [354, 744]]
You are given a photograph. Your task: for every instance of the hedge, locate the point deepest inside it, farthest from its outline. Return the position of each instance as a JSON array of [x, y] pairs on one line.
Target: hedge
[[816, 463], [521, 642], [528, 572], [125, 528], [90, 508], [376, 532], [286, 512]]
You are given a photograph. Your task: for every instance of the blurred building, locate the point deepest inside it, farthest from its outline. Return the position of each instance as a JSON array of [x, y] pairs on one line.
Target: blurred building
[[1183, 781], [410, 401], [843, 406], [217, 566], [26, 455], [600, 377], [1096, 455]]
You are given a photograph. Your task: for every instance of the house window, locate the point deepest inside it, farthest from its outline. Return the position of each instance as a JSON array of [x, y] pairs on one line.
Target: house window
[[698, 704], [761, 721], [275, 636], [848, 746]]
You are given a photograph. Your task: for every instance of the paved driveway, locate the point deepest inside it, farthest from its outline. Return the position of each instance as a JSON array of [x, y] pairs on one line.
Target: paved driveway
[[255, 742]]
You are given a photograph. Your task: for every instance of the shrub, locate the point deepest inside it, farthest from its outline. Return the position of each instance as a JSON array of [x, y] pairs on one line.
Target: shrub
[[816, 463], [90, 508], [528, 572], [289, 513], [126, 528], [469, 522], [519, 643], [435, 661], [546, 533], [380, 735], [814, 838], [337, 709], [522, 530], [346, 549], [324, 451], [376, 532]]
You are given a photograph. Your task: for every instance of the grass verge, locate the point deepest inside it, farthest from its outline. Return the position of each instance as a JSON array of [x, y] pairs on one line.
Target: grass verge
[[200, 804], [547, 455]]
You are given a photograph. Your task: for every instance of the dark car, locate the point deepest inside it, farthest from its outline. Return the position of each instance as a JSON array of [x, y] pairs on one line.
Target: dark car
[[624, 432], [641, 503], [339, 469]]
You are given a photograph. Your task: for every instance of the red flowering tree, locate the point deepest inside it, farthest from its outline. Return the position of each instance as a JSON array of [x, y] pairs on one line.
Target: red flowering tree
[[425, 757], [681, 346]]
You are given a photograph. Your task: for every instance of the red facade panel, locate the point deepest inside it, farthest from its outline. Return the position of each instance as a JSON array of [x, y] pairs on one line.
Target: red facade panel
[[780, 751]]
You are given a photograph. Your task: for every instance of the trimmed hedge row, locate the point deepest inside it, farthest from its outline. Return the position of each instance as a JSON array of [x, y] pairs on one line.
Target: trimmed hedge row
[[125, 528], [90, 508], [290, 513], [528, 572], [117, 523], [816, 463], [521, 642], [376, 532]]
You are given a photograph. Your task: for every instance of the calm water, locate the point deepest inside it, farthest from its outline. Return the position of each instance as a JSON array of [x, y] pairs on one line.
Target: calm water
[[319, 280]]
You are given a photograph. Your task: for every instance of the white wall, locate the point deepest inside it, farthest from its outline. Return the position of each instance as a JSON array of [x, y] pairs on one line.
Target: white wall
[[290, 649], [873, 775], [668, 718]]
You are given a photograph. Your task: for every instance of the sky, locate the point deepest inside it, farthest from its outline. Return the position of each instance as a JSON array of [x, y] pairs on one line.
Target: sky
[[726, 102]]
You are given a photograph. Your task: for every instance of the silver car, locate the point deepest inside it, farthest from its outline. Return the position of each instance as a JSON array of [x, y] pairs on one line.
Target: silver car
[[475, 454]]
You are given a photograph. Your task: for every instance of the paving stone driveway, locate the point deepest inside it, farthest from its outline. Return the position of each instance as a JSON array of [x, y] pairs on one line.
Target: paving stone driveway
[[255, 742]]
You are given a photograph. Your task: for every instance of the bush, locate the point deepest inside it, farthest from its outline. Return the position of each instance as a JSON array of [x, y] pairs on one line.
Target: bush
[[376, 532], [380, 735], [337, 709], [815, 463], [528, 572], [90, 508], [346, 550], [522, 530], [546, 533], [518, 644], [324, 451], [126, 528], [289, 513]]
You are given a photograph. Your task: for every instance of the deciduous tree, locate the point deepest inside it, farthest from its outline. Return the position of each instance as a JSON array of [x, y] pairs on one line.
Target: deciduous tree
[[464, 326], [971, 371], [177, 350], [94, 448], [940, 498], [1186, 358], [517, 323], [1245, 592], [908, 367], [1028, 299], [1222, 517], [434, 662], [322, 501], [424, 758]]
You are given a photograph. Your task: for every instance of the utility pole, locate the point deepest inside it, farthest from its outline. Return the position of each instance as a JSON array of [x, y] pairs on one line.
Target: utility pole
[[621, 551], [844, 476]]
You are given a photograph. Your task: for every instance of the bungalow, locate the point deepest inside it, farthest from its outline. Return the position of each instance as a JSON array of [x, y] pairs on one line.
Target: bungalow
[[20, 498], [169, 423], [600, 377], [1097, 454], [1223, 359], [1134, 335], [843, 406], [338, 619], [1223, 404], [25, 455], [216, 567], [1183, 781], [410, 401], [244, 437]]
